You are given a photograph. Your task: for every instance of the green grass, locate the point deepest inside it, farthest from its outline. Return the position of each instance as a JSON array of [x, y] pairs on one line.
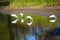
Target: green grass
[[27, 3]]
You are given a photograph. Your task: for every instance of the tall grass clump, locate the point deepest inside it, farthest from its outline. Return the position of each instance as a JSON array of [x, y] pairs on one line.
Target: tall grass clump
[[28, 3]]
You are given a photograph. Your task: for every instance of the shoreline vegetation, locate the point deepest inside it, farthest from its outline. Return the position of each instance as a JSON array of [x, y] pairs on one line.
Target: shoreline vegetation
[[33, 3]]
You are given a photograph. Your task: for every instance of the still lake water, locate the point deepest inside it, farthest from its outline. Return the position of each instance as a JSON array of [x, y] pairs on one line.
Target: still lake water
[[19, 31]]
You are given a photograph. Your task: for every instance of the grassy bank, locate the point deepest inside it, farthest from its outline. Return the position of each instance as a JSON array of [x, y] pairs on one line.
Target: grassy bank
[[27, 3]]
